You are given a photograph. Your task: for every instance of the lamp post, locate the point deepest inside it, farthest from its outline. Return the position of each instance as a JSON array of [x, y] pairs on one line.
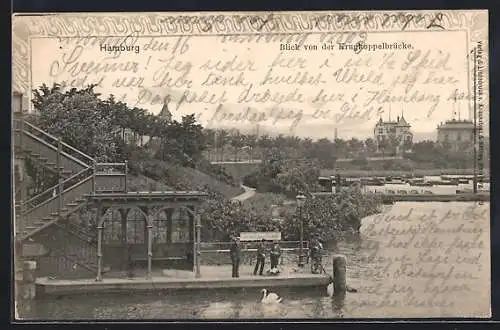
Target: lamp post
[[301, 199]]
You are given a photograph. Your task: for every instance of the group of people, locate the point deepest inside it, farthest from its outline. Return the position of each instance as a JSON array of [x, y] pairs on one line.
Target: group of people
[[262, 249], [275, 254], [315, 252]]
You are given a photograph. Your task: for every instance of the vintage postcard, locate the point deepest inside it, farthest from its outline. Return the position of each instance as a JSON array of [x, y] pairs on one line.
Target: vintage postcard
[[251, 165]]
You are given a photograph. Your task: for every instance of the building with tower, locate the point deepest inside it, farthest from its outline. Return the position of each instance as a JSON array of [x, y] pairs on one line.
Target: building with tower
[[165, 114], [393, 136]]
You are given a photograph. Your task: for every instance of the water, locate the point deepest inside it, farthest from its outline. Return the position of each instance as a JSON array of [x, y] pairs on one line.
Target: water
[[363, 274]]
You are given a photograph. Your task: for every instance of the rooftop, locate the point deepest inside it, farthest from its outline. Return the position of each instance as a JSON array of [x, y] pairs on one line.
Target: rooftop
[[456, 124], [172, 196], [400, 121]]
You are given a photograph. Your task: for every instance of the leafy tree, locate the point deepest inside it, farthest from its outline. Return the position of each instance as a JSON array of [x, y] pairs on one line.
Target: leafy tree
[[355, 146], [250, 140], [237, 142], [330, 216], [192, 138], [222, 139], [370, 146], [79, 118], [324, 151], [209, 138]]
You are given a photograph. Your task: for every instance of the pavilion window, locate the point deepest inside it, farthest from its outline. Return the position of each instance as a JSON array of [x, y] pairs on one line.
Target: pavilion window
[[160, 228], [112, 227], [136, 226], [180, 221]]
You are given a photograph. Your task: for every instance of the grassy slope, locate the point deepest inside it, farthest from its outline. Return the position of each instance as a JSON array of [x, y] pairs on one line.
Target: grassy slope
[[190, 177], [197, 178], [143, 183]]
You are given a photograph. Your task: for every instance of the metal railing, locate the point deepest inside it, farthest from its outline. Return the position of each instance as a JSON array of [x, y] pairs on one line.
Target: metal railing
[[111, 177], [52, 193], [67, 149], [218, 253], [103, 182], [250, 246]]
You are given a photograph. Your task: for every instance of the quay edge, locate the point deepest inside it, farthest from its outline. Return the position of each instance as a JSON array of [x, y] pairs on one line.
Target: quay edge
[[46, 287]]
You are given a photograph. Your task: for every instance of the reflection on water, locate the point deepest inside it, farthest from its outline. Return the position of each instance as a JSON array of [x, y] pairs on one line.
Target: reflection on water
[[364, 273], [227, 305]]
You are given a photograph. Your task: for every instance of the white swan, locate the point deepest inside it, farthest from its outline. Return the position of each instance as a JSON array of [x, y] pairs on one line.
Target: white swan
[[270, 297], [329, 288]]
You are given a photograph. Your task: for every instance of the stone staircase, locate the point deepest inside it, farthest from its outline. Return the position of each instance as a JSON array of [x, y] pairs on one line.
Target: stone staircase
[[46, 217]]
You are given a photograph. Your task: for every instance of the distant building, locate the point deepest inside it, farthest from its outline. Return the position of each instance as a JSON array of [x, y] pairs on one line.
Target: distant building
[[394, 135], [130, 137], [165, 113], [456, 133]]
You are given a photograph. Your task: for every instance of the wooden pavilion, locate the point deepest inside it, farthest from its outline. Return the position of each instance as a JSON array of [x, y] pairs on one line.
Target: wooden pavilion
[[153, 229]]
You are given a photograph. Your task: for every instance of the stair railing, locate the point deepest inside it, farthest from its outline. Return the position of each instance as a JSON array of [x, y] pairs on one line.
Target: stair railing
[[106, 177], [56, 191], [111, 177], [27, 127], [66, 148]]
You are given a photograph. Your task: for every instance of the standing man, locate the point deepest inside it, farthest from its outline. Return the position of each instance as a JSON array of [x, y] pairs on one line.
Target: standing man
[[316, 254], [235, 253], [275, 255], [261, 257]]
